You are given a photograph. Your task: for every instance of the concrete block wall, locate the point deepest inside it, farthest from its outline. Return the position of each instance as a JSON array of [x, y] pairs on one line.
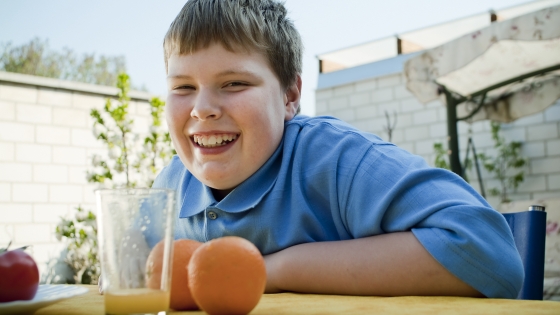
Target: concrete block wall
[[364, 103], [46, 145]]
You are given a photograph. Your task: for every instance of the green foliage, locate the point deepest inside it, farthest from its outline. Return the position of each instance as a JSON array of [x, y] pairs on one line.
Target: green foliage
[[82, 254], [506, 166], [35, 58], [157, 145], [441, 156], [112, 127], [441, 160], [130, 162]]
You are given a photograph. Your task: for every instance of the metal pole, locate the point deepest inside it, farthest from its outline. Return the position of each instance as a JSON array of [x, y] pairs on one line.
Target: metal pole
[[482, 192], [452, 135]]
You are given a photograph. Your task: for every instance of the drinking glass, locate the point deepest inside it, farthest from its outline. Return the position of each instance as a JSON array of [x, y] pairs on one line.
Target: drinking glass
[[130, 223]]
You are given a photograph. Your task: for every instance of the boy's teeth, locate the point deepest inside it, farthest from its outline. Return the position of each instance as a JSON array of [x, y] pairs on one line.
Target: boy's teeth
[[214, 140]]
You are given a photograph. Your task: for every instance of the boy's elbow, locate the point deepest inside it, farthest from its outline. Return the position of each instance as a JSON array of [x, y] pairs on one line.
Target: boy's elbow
[[512, 273], [517, 276]]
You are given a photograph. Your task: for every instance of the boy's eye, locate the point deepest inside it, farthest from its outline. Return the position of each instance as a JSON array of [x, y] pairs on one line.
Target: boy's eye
[[184, 87], [235, 84]]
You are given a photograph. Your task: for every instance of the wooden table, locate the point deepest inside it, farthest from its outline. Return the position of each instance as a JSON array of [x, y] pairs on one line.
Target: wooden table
[[290, 303]]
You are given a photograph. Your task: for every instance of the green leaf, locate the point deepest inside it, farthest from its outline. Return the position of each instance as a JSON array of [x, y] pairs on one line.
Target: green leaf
[[36, 58], [134, 161], [507, 159]]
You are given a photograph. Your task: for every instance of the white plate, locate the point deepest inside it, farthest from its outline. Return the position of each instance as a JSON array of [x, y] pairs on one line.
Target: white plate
[[46, 295]]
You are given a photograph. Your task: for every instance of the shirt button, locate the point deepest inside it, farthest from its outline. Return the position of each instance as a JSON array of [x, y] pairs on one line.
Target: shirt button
[[212, 215]]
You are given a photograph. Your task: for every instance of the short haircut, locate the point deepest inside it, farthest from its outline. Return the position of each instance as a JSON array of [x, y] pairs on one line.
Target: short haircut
[[260, 25]]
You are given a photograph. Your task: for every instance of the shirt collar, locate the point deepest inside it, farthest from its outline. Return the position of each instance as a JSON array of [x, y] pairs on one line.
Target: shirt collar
[[244, 197]]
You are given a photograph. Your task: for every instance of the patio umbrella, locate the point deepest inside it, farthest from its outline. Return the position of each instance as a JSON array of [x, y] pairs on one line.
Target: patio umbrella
[[503, 72]]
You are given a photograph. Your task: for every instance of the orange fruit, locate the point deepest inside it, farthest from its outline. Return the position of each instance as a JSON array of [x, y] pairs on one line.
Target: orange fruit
[[180, 297], [153, 267], [227, 276]]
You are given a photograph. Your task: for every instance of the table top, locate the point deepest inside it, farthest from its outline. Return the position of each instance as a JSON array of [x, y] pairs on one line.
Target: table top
[[292, 303]]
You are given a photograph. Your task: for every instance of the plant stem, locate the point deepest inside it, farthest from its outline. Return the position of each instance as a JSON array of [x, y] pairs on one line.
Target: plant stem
[[125, 153]]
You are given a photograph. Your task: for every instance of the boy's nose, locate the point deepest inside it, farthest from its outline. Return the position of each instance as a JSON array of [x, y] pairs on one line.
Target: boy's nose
[[205, 107]]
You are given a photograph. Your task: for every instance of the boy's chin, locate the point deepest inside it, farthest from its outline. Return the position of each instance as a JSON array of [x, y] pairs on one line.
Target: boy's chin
[[220, 194], [219, 186]]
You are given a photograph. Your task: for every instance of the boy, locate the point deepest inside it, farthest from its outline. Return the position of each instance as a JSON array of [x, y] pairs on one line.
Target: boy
[[332, 209]]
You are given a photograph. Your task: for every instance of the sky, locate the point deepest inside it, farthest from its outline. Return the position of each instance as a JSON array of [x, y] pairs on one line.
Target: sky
[[135, 28]]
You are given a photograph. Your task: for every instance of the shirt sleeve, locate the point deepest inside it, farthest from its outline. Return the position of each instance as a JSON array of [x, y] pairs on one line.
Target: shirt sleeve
[[393, 190]]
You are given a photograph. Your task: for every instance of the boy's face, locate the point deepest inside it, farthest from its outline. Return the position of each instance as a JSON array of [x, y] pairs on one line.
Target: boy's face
[[226, 113]]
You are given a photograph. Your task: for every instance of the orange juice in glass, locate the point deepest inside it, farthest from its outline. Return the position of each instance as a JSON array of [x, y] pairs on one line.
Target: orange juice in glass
[[136, 301], [130, 223]]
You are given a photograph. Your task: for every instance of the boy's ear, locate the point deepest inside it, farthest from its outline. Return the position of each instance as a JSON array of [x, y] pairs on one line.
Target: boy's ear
[[292, 98]]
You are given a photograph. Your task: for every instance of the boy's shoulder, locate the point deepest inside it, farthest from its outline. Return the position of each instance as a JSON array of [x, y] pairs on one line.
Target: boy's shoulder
[[325, 142], [327, 128], [168, 176], [317, 121]]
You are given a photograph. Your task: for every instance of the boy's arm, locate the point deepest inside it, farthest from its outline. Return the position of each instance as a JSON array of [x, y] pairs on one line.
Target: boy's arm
[[386, 265]]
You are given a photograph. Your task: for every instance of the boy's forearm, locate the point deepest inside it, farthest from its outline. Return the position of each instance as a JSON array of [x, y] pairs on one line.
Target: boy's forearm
[[385, 265]]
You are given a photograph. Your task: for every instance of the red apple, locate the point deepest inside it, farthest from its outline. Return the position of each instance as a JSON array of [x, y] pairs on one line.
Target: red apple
[[19, 276]]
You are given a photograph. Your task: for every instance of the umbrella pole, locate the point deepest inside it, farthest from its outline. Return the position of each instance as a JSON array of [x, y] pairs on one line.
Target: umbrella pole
[[477, 170], [470, 145], [452, 134]]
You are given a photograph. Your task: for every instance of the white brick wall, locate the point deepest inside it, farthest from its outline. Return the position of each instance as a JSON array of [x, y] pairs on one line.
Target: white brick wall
[[54, 97], [553, 147], [34, 153], [382, 95], [53, 135], [39, 114], [8, 110], [46, 144], [17, 93], [364, 104], [16, 132]]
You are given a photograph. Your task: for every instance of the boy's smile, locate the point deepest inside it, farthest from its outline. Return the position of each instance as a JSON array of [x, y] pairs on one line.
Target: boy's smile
[[214, 140], [226, 113]]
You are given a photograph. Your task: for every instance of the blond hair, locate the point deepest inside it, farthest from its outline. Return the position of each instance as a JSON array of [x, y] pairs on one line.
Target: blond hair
[[261, 25]]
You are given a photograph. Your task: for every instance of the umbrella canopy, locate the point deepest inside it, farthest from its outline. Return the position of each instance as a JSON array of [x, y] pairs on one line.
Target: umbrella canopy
[[502, 72], [422, 71], [505, 61]]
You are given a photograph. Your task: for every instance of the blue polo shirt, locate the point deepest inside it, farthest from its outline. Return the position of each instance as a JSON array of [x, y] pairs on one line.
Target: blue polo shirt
[[328, 181]]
